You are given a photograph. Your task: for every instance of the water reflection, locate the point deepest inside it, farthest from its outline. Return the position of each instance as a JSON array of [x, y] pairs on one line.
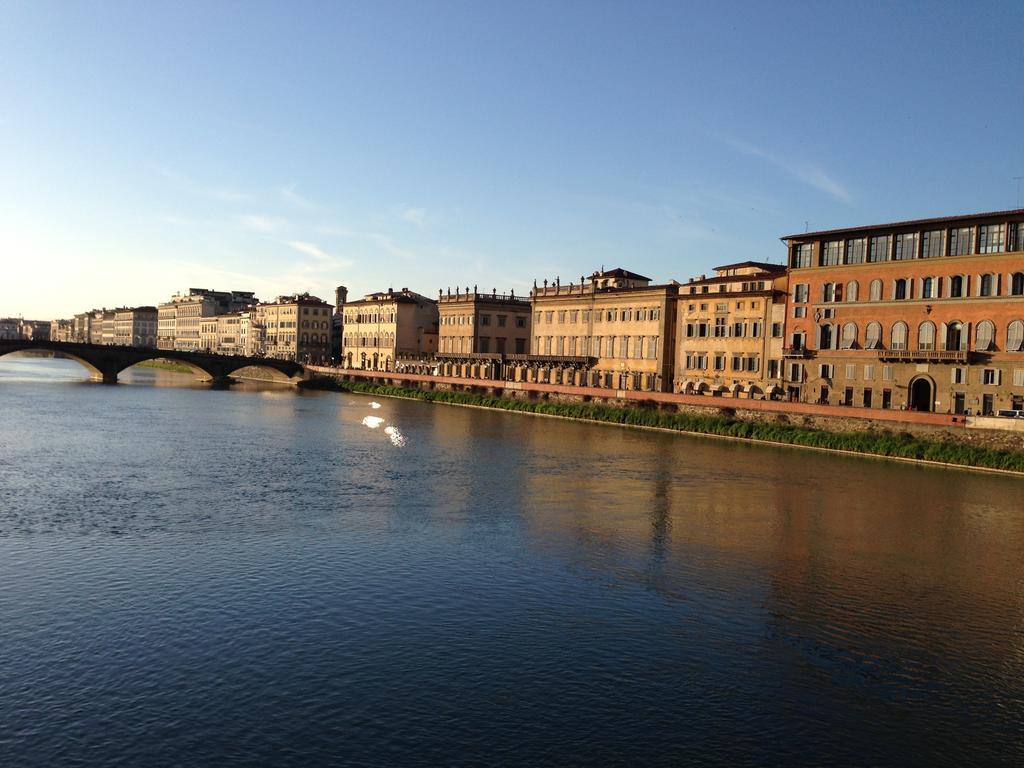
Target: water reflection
[[505, 588]]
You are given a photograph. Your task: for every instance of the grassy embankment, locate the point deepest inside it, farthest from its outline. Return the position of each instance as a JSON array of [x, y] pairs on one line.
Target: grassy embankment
[[878, 443], [165, 365]]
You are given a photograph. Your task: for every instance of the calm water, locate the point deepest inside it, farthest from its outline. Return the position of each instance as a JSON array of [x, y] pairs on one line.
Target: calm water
[[195, 577]]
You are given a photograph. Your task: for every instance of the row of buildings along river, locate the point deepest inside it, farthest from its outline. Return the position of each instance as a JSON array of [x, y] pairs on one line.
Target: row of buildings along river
[[924, 315]]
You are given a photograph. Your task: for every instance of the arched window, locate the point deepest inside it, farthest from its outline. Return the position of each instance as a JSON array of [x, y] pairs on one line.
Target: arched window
[[849, 336], [305, 338], [928, 288], [899, 289], [1015, 336], [828, 292], [1017, 284], [899, 335], [926, 335], [956, 339], [986, 285], [873, 335], [851, 290], [956, 287], [875, 290], [985, 336]]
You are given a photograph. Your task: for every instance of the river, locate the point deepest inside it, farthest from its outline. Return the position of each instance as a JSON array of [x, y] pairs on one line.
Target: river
[[266, 576]]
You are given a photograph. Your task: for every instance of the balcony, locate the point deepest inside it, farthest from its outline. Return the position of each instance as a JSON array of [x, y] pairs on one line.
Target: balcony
[[924, 355], [800, 353]]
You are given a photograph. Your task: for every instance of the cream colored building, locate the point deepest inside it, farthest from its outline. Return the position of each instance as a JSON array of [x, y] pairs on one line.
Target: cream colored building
[[382, 326], [179, 320], [483, 323], [731, 330], [613, 329], [294, 327], [135, 327]]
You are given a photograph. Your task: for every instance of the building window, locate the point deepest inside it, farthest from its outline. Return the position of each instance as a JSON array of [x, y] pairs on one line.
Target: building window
[[802, 255], [856, 250], [984, 338], [932, 243], [955, 336], [799, 312], [520, 322], [880, 247], [992, 238], [1016, 236], [1015, 336], [986, 286], [956, 287], [485, 319], [869, 372], [830, 253], [906, 246], [990, 376], [849, 336], [928, 288], [926, 336], [777, 330], [825, 336], [899, 335], [801, 292], [958, 376], [1018, 377], [899, 290], [851, 290], [721, 330], [828, 292], [719, 362], [652, 347], [875, 290], [873, 335], [961, 241]]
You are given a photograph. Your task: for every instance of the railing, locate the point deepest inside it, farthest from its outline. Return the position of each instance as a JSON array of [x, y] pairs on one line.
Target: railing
[[925, 355], [796, 352]]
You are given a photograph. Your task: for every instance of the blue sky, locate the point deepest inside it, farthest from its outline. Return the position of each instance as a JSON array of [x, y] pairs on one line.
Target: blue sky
[[279, 147]]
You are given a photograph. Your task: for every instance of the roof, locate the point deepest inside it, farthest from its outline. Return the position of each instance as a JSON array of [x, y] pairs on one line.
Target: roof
[[908, 223], [620, 272], [764, 266]]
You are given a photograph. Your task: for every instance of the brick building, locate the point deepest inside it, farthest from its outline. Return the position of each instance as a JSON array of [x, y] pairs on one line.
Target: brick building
[[925, 315]]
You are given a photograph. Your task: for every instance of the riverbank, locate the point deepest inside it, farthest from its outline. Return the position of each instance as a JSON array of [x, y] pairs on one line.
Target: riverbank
[[165, 365], [883, 443]]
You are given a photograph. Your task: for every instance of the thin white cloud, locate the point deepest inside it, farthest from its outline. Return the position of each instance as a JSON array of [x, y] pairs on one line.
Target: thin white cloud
[[310, 249], [224, 194], [808, 174], [290, 194], [417, 216], [265, 224], [388, 245]]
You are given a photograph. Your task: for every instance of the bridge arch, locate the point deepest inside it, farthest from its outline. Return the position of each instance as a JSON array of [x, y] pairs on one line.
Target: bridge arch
[[94, 372]]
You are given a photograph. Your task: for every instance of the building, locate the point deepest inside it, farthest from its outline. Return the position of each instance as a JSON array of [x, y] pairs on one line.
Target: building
[[381, 326], [614, 329], [730, 331], [925, 315], [483, 323], [338, 321], [61, 330], [179, 320], [10, 328], [135, 327], [80, 329], [292, 328]]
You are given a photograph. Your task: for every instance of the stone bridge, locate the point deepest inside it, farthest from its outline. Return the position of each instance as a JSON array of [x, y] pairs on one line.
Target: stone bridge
[[105, 362]]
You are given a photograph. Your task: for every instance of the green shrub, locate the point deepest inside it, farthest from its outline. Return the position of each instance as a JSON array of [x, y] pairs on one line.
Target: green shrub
[[725, 423]]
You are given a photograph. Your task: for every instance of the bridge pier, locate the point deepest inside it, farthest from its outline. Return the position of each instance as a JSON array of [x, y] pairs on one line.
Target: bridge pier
[[221, 382], [109, 377]]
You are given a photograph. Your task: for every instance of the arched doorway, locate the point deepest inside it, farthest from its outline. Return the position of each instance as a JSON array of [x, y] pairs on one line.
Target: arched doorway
[[921, 395]]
